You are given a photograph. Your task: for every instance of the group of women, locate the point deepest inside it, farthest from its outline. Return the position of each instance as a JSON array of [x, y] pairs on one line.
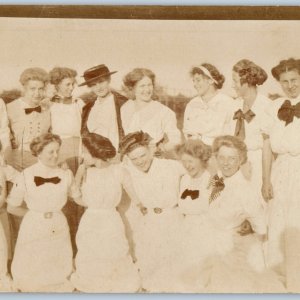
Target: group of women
[[110, 196]]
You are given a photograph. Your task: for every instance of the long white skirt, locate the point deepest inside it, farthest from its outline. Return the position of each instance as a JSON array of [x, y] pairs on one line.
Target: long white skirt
[[103, 262], [43, 254]]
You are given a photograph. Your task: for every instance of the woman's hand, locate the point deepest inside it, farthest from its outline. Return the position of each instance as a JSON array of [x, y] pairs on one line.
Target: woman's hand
[[245, 228], [267, 191]]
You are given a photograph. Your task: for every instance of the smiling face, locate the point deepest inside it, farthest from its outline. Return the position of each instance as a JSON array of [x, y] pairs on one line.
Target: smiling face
[[141, 158], [143, 89], [49, 155], [101, 88], [66, 86], [33, 91], [229, 161], [290, 83], [239, 88], [193, 165], [202, 84]]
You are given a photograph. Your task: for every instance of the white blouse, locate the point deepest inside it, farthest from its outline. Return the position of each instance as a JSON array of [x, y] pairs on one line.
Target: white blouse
[[253, 129], [283, 139], [4, 129], [207, 120], [66, 118], [155, 119], [159, 187], [237, 202], [199, 205]]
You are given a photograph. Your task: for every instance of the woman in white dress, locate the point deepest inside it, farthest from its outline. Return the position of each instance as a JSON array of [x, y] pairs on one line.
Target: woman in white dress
[[207, 115], [144, 113], [103, 263], [156, 183], [43, 255], [193, 205], [283, 126], [237, 261], [248, 116], [65, 114]]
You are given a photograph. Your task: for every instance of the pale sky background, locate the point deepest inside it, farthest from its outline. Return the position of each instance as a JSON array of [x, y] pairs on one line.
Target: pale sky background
[[169, 48]]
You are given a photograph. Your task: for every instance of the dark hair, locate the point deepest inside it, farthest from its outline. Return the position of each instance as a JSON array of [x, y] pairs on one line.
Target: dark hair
[[134, 140], [285, 66], [99, 146], [34, 74], [195, 148], [137, 74], [214, 72], [250, 73], [39, 143], [57, 74], [231, 142]]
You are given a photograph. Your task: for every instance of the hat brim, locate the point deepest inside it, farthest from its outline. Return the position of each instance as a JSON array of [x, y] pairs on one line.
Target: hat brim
[[96, 78]]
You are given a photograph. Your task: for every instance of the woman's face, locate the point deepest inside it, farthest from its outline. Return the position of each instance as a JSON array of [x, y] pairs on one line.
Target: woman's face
[[143, 89], [202, 84], [66, 86], [101, 88], [49, 155], [34, 91], [239, 88], [192, 164], [141, 158], [228, 160], [290, 83]]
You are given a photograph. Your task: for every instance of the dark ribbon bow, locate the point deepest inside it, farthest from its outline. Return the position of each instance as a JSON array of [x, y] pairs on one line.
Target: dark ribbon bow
[[240, 118], [217, 185], [193, 194], [287, 112], [30, 110], [40, 180]]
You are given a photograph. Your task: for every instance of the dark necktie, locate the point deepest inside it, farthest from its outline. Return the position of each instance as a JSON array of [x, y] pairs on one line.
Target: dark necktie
[[193, 194], [240, 118], [40, 180], [30, 110], [287, 112], [217, 185]]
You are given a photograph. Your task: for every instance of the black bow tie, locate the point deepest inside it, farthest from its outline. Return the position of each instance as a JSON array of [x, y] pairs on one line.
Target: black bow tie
[[30, 110], [217, 185], [239, 116], [193, 194], [40, 180], [287, 112]]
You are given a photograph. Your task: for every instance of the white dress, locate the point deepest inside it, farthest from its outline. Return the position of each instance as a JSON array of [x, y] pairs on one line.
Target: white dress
[[43, 255], [284, 208], [237, 262], [66, 122], [253, 137], [155, 119], [103, 263], [156, 234], [194, 232], [206, 121]]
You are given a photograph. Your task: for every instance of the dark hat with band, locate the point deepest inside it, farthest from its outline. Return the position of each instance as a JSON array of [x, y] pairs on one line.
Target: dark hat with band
[[95, 73]]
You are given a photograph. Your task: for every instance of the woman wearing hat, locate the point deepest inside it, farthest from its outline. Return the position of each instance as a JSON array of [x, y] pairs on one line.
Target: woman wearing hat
[[43, 256], [102, 116], [207, 115], [281, 187], [143, 113], [103, 263], [156, 183]]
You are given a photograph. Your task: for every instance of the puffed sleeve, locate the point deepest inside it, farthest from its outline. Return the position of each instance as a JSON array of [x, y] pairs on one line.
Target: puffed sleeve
[[269, 117], [170, 127], [11, 173], [73, 190], [17, 194], [254, 211], [4, 129]]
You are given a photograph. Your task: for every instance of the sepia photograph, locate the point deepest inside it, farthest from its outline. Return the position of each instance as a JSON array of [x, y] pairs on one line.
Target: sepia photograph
[[149, 153]]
